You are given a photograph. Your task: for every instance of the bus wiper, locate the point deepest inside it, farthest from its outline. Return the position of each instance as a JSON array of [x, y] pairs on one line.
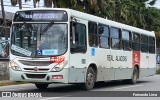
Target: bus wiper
[[27, 28], [46, 28], [23, 26]]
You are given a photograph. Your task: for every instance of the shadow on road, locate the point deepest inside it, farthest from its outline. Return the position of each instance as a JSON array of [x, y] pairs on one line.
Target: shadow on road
[[77, 88], [116, 83]]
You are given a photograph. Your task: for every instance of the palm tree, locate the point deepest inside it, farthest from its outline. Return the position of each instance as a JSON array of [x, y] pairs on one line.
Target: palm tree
[[14, 2], [34, 3], [49, 3]]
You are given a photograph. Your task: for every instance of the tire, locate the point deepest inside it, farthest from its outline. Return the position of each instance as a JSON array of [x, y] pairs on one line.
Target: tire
[[134, 77], [41, 86], [90, 79]]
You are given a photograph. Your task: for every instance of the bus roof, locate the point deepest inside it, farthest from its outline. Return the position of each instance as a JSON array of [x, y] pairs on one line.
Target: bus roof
[[108, 22]]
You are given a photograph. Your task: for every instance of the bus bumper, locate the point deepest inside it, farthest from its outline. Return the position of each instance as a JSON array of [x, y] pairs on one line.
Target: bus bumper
[[40, 77]]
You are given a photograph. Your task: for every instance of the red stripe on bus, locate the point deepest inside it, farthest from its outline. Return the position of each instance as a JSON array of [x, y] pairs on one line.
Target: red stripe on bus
[[136, 58]]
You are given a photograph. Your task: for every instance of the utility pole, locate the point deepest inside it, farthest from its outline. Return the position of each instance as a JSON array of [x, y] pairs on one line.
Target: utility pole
[[20, 4]]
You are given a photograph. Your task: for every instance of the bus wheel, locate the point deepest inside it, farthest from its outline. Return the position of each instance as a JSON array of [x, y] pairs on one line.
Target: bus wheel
[[134, 76], [90, 79], [41, 86]]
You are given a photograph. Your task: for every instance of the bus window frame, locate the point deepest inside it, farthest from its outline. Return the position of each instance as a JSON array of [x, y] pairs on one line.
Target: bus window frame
[[109, 42], [151, 45], [119, 37], [142, 43], [130, 40], [139, 42], [71, 22], [95, 35]]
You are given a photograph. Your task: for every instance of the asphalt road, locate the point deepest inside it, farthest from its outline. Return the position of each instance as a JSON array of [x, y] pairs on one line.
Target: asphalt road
[[148, 87]]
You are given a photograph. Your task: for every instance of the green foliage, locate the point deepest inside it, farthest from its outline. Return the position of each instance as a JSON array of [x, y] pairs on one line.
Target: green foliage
[[14, 2], [158, 71], [132, 12]]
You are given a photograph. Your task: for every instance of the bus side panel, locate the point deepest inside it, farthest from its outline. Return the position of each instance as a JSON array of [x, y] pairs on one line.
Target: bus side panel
[[78, 67], [151, 70], [77, 75], [144, 60], [122, 64], [102, 59]]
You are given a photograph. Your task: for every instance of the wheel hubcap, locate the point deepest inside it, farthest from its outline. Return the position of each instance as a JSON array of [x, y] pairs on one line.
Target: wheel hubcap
[[90, 79], [135, 77]]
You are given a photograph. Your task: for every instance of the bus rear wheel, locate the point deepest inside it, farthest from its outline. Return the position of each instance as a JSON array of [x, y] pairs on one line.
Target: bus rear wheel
[[134, 78], [90, 79], [41, 86]]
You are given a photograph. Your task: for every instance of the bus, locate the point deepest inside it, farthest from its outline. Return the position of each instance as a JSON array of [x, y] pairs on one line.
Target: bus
[[61, 45]]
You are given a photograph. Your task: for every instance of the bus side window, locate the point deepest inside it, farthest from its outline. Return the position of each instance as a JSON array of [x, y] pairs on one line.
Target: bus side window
[[151, 45], [144, 43], [103, 31], [115, 38], [126, 40], [93, 36], [78, 37], [136, 42]]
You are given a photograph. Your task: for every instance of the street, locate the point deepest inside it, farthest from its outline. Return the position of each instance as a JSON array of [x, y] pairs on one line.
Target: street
[[106, 89]]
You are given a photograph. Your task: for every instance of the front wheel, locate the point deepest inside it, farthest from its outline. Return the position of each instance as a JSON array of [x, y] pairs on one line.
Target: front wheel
[[41, 86], [90, 79]]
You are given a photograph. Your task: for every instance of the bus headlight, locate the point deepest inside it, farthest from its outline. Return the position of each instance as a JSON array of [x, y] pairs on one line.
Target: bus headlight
[[14, 66], [59, 66]]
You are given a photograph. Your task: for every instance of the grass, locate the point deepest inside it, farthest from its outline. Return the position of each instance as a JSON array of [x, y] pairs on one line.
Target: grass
[[158, 71], [7, 82]]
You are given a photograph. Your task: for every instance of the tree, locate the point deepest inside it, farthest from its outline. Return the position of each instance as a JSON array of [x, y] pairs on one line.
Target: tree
[[49, 3], [14, 2]]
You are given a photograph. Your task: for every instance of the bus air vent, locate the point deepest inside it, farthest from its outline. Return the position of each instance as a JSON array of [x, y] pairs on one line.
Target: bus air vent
[[39, 76], [35, 63], [39, 69]]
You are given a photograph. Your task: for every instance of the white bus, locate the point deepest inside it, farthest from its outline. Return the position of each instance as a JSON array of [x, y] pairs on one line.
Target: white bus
[[56, 45]]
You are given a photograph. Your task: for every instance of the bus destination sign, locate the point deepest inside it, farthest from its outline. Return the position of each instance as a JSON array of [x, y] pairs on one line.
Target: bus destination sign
[[41, 16]]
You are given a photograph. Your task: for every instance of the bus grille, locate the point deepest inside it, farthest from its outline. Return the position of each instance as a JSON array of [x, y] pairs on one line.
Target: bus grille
[[35, 63], [39, 69], [39, 76]]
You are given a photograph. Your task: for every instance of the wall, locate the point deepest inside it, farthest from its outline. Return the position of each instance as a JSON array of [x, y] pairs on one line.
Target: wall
[[4, 70]]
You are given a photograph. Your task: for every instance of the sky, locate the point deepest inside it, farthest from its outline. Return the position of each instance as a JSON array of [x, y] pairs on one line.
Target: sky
[[29, 4]]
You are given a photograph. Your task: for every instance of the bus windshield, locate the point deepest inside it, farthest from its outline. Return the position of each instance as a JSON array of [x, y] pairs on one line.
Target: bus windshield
[[39, 40]]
